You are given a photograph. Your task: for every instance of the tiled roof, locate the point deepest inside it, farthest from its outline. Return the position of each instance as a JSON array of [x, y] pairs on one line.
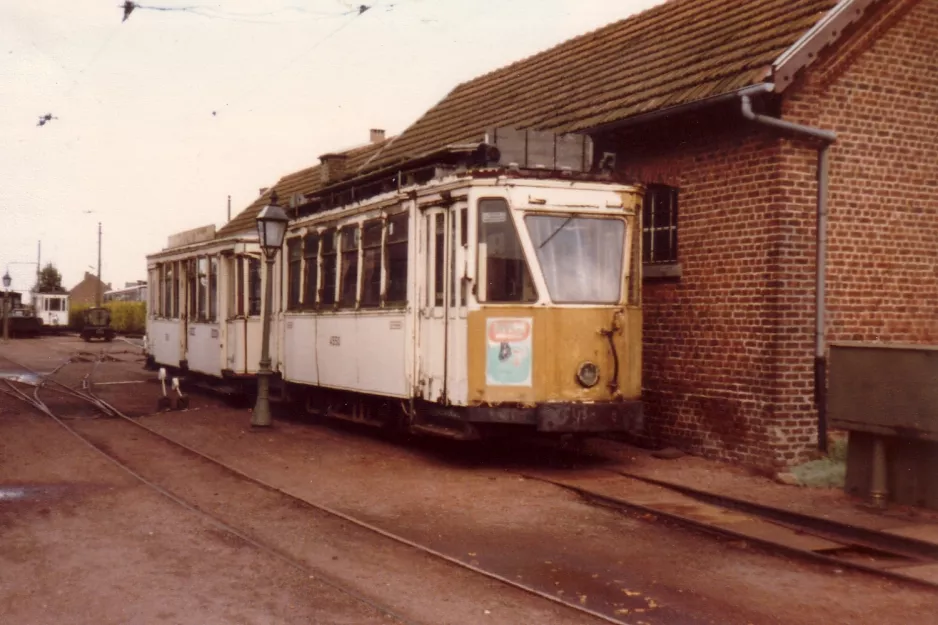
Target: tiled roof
[[676, 53], [306, 181]]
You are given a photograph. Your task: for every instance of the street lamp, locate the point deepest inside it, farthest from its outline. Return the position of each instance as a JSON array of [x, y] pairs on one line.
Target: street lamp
[[7, 280], [271, 228]]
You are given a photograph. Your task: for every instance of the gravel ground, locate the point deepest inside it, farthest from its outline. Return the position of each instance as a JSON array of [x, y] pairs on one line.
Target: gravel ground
[[85, 552]]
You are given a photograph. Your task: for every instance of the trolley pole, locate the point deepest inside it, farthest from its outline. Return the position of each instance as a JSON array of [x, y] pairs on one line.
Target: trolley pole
[[100, 287]]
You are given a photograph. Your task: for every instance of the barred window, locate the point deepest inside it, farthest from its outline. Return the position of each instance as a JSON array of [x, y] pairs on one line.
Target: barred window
[[294, 275], [371, 264], [396, 259], [311, 258], [659, 225]]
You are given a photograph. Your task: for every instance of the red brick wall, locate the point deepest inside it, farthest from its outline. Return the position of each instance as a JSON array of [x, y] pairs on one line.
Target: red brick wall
[[879, 93], [708, 358], [729, 346]]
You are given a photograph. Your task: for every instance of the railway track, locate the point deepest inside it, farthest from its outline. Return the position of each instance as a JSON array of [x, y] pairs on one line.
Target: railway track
[[886, 553], [202, 468]]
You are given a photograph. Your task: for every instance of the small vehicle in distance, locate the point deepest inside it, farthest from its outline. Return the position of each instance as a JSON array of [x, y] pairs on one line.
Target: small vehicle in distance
[[97, 324]]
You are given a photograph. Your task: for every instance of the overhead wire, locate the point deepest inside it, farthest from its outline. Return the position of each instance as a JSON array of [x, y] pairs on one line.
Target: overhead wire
[[289, 63]]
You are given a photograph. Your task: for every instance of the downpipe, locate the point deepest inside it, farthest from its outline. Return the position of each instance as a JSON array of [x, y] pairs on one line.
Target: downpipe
[[826, 138]]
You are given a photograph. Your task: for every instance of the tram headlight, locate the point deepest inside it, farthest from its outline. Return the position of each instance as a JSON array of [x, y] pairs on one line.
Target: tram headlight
[[587, 374]]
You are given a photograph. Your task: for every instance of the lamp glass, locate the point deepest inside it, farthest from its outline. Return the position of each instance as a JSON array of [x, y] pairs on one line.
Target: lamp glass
[[7, 280], [271, 228]]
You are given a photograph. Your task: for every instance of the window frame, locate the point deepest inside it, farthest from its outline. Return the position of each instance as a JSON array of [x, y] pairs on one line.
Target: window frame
[[657, 264], [478, 257], [329, 236], [352, 230], [294, 271], [310, 263], [365, 246], [402, 240]]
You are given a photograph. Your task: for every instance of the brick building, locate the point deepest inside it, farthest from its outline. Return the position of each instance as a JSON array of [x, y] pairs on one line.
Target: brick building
[[83, 293], [686, 98]]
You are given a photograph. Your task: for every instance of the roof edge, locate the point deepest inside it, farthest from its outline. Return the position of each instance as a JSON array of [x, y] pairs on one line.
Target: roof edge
[[826, 32]]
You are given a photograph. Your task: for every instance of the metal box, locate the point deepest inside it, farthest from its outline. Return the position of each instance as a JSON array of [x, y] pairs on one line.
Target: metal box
[[888, 393], [535, 149]]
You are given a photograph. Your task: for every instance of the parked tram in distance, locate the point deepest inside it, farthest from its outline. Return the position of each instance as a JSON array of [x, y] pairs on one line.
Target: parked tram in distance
[[475, 301], [51, 309]]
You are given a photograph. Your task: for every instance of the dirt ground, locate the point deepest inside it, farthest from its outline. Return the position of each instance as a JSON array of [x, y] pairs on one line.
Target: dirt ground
[[87, 544]]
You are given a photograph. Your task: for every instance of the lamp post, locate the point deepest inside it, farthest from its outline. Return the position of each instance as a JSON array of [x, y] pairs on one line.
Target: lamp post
[[271, 228], [6, 305]]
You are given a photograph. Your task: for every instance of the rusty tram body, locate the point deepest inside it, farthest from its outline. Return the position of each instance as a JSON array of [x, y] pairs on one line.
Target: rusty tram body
[[463, 298]]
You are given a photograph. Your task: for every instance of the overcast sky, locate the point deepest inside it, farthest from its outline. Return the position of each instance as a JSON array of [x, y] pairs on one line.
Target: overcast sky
[[135, 145]]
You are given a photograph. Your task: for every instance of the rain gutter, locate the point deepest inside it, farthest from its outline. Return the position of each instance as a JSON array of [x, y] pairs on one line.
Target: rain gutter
[[826, 138]]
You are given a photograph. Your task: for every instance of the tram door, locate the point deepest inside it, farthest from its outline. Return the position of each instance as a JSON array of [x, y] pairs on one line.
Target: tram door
[[432, 318]]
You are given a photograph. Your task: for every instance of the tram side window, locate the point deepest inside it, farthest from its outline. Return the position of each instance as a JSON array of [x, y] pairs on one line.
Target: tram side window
[[175, 269], [213, 290], [254, 287], [166, 271], [155, 278], [202, 288], [458, 240], [311, 258], [294, 272], [371, 264], [240, 288], [191, 283], [439, 259], [396, 250], [350, 238], [503, 273], [327, 294]]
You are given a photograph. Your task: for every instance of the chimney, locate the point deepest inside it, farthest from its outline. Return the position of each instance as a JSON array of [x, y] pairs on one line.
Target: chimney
[[377, 135], [333, 167]]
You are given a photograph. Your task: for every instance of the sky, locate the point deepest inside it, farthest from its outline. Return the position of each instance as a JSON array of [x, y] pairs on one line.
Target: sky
[[158, 119]]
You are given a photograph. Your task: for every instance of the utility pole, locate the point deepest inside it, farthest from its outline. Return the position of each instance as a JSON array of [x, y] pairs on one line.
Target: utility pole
[[39, 266], [100, 287], [229, 208]]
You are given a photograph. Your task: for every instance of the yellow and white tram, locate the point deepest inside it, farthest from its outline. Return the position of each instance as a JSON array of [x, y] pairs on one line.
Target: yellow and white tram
[[470, 302]]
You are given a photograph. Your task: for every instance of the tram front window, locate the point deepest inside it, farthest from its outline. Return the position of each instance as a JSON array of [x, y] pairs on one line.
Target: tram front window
[[581, 257]]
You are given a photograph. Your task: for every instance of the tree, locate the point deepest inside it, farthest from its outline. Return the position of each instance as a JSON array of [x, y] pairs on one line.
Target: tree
[[50, 280]]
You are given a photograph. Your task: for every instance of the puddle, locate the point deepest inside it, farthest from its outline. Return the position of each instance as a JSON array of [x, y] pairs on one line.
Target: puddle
[[9, 493], [12, 494], [23, 377]]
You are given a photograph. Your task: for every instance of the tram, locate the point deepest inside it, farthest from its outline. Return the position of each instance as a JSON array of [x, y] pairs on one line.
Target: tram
[[51, 309], [470, 302]]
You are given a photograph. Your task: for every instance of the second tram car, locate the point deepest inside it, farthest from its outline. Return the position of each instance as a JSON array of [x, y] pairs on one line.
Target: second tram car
[[51, 309], [478, 301]]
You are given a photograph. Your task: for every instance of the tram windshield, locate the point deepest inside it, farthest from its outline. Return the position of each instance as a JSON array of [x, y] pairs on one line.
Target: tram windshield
[[580, 257]]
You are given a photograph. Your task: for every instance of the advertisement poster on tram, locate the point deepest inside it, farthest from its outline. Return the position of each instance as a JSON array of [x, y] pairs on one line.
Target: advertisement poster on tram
[[508, 351]]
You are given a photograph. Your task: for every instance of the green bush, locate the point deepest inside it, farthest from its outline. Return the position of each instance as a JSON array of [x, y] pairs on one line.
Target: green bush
[[126, 317]]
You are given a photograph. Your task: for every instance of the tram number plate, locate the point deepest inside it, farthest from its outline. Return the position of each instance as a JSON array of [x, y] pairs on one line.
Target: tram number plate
[[397, 324], [214, 334], [335, 341]]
